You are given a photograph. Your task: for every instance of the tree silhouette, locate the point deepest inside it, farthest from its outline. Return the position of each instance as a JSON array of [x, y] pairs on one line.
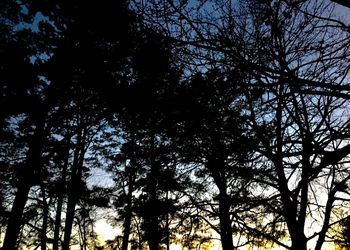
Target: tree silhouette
[[296, 85], [208, 117], [214, 136]]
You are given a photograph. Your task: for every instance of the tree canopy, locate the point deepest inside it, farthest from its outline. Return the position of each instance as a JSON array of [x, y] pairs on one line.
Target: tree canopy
[[190, 123]]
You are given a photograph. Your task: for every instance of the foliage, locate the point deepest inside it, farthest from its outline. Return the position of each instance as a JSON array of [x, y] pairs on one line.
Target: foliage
[[207, 118]]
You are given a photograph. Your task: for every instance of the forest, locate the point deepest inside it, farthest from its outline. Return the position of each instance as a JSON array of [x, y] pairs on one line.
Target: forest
[[183, 124]]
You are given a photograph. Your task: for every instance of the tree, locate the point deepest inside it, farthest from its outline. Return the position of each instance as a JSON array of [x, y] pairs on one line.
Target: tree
[[300, 121], [213, 135], [56, 75], [147, 148], [229, 116], [87, 123], [20, 47], [290, 55], [15, 57]]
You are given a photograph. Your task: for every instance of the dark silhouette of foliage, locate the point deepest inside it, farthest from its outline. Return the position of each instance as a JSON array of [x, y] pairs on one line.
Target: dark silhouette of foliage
[[206, 118]]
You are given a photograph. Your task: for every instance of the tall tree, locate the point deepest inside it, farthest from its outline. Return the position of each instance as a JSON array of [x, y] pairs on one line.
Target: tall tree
[[155, 79], [213, 136]]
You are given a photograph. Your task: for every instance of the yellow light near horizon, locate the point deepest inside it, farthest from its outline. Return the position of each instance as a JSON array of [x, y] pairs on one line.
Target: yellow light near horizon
[[106, 231]]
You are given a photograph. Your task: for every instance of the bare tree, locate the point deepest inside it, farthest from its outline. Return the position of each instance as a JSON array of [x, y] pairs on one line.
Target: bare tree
[[293, 56]]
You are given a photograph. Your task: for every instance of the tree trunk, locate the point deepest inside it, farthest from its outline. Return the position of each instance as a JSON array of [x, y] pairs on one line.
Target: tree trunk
[[74, 189], [153, 220], [299, 241], [73, 197], [29, 176], [43, 237], [56, 237], [225, 221], [15, 220], [327, 216], [167, 226], [128, 214], [62, 190], [153, 233], [154, 236], [216, 165], [83, 231], [290, 212]]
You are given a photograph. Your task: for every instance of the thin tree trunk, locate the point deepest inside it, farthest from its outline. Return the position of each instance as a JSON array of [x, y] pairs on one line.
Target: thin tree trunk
[[43, 237], [167, 226], [153, 223], [327, 216], [128, 214], [84, 233], [74, 189], [62, 191], [73, 197], [56, 237]]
